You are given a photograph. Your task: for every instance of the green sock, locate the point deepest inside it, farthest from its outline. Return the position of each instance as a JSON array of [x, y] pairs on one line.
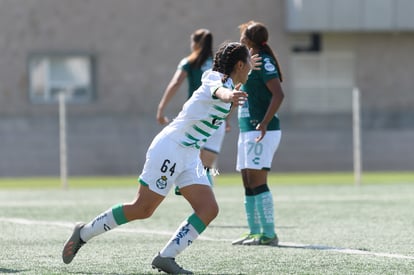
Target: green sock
[[265, 207], [119, 216], [251, 214], [187, 232], [105, 221]]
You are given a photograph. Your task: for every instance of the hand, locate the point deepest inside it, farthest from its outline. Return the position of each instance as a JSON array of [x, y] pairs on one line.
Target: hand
[[238, 97], [255, 61], [262, 128], [161, 118]]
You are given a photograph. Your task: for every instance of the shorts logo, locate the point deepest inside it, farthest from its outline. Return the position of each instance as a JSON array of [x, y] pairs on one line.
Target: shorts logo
[[162, 182], [256, 160]]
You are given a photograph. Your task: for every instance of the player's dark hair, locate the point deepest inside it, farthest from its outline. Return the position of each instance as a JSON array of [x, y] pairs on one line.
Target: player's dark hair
[[204, 39], [227, 57], [257, 33]]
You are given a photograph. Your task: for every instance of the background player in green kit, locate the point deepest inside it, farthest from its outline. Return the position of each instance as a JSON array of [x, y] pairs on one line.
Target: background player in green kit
[[173, 158], [191, 68], [259, 136]]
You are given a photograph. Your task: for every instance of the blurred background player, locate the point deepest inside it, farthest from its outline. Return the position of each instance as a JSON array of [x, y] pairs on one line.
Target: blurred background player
[[192, 68], [259, 136], [173, 158]]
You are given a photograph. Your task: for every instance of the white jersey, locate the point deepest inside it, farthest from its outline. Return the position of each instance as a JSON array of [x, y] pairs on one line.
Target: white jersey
[[202, 114]]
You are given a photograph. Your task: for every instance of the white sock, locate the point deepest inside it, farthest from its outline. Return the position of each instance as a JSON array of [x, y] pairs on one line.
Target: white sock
[[102, 223], [182, 238]]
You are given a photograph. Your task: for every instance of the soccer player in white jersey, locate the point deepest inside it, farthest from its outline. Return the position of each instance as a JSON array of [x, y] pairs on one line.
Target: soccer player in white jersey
[[191, 68], [173, 159]]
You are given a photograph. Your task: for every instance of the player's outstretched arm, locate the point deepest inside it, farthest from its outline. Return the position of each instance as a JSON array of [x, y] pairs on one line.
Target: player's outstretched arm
[[231, 96]]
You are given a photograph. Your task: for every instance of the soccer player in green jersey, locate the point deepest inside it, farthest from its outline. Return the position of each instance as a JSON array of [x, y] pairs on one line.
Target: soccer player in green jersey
[[259, 136], [191, 68], [173, 158]]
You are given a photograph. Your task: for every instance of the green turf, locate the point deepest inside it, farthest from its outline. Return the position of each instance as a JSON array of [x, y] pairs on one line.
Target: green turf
[[345, 178], [318, 216]]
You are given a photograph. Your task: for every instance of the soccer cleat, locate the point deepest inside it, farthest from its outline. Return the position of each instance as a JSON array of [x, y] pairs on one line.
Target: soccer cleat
[[168, 265], [262, 240], [73, 244], [243, 238]]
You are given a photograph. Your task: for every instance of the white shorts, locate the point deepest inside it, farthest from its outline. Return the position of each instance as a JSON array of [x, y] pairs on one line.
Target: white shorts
[[257, 155], [213, 143], [168, 163]]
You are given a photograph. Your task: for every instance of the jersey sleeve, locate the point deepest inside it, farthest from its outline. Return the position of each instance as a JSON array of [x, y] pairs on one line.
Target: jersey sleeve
[[212, 80], [184, 65], [269, 69]]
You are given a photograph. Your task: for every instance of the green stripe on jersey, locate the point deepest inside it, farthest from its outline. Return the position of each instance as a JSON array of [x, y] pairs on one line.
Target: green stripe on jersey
[[191, 137], [187, 144], [210, 125], [217, 117], [201, 131], [220, 109]]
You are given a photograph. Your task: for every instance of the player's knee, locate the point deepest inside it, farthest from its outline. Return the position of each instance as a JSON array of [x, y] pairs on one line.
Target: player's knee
[[146, 212], [140, 211], [216, 213], [214, 210], [208, 212]]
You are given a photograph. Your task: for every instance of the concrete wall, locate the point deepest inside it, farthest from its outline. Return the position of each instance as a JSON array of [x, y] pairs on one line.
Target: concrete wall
[[138, 44]]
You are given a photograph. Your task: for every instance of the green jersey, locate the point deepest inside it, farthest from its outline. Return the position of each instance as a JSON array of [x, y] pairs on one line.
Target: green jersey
[[194, 74], [255, 108]]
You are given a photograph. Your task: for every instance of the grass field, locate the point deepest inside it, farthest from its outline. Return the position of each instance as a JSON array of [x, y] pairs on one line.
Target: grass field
[[326, 225]]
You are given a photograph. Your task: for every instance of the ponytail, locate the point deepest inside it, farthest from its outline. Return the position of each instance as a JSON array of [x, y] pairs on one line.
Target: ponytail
[[257, 34], [204, 39]]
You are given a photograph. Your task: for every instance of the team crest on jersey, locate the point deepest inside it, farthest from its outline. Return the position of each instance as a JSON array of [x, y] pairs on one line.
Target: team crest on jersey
[[268, 65], [162, 182]]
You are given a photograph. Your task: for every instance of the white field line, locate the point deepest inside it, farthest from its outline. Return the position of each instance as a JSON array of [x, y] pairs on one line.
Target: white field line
[[169, 233], [344, 250]]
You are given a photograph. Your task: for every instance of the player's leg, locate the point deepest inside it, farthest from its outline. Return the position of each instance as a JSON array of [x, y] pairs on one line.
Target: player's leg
[[142, 207], [264, 206], [154, 186], [249, 200], [252, 215], [185, 234], [260, 156], [202, 200]]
